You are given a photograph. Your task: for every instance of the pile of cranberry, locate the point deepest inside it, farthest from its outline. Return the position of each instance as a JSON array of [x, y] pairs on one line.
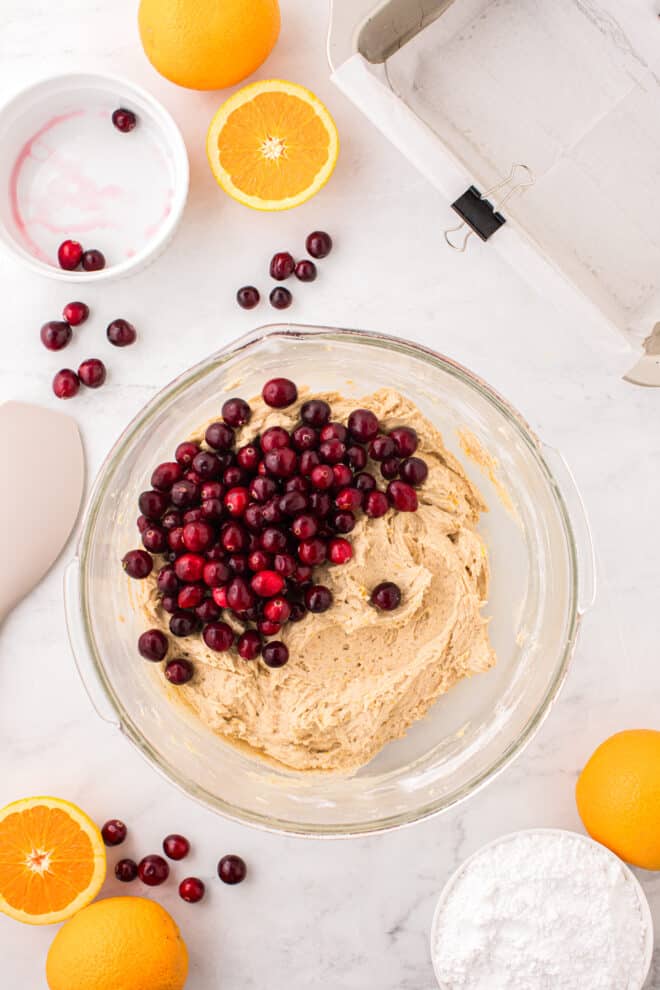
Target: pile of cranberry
[[242, 530], [153, 870]]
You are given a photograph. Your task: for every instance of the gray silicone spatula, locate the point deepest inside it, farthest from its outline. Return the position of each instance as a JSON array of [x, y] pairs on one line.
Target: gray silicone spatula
[[42, 477]]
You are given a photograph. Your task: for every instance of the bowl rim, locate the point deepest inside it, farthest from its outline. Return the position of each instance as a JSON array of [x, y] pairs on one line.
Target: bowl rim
[[645, 908], [173, 137], [103, 477]]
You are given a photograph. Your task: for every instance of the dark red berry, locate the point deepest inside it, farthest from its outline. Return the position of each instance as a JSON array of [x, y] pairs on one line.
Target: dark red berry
[[232, 869], [332, 451], [320, 504], [285, 564], [280, 297], [268, 628], [356, 457], [239, 595], [343, 522], [375, 504], [302, 574], [277, 610], [262, 489], [249, 645], [305, 438], [334, 431], [390, 468], [274, 654], [142, 523], [381, 447], [218, 636], [281, 265], [212, 509], [414, 470], [219, 436], [186, 453], [292, 503], [215, 573], [164, 476], [274, 438], [315, 412], [297, 484], [220, 597], [153, 870], [93, 260], [207, 465], [175, 539], [363, 425], [312, 552], [253, 517], [248, 297], [298, 612], [169, 603], [152, 645], [183, 623], [236, 412], [236, 501], [340, 551], [365, 482], [279, 393], [168, 582], [55, 335], [266, 584], [69, 254], [234, 537], [183, 493], [322, 477], [304, 527], [154, 539], [190, 567], [121, 333], [191, 890], [92, 373], [124, 120], [402, 496], [349, 498], [66, 384], [152, 504], [126, 870], [282, 463], [179, 671], [176, 846], [309, 459], [342, 475], [192, 516], [405, 440], [191, 596], [318, 244], [208, 611], [137, 563], [318, 598], [114, 832], [248, 457], [305, 270], [386, 596]]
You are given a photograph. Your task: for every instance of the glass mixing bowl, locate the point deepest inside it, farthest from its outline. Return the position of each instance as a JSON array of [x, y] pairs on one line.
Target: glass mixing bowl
[[542, 582]]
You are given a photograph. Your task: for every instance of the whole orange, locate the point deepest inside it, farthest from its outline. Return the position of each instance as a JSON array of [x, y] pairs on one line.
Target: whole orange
[[618, 796], [208, 44]]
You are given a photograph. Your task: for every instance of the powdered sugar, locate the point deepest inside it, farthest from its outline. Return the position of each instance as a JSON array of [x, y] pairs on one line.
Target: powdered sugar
[[541, 910]]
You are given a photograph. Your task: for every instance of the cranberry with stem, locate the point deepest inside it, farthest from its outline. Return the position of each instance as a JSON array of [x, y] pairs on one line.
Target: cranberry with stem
[[55, 335]]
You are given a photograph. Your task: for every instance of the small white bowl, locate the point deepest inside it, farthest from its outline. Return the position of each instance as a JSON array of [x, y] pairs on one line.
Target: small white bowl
[[645, 910], [67, 172]]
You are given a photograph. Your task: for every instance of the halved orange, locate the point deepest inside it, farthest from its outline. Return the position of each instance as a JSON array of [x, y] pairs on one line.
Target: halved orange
[[272, 145], [52, 860]]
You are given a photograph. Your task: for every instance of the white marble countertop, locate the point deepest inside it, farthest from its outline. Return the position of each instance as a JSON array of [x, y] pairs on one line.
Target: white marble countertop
[[349, 915]]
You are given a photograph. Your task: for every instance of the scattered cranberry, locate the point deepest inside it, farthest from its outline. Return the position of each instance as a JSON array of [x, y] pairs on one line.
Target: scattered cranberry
[[364, 481], [298, 612], [304, 527], [279, 393], [124, 120], [319, 244], [318, 598], [93, 260], [319, 503], [402, 496], [309, 459], [249, 645], [121, 333], [92, 373], [69, 254], [405, 440], [66, 384], [218, 636], [232, 869], [332, 451], [114, 832], [153, 870], [305, 270], [137, 563], [386, 596], [274, 654], [142, 523], [340, 551], [280, 297], [375, 504], [315, 412], [183, 623], [248, 297], [176, 846], [281, 265], [126, 870], [236, 412], [55, 335], [363, 425], [414, 470], [179, 671], [191, 890], [220, 596], [208, 611], [152, 645]]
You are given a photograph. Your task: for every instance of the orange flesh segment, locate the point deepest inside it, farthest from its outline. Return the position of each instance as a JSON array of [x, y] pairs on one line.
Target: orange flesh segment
[[70, 867], [267, 118]]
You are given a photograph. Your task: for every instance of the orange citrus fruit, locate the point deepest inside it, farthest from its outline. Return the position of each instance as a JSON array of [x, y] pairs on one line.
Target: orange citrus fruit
[[121, 943], [618, 796], [208, 44], [52, 860], [272, 145]]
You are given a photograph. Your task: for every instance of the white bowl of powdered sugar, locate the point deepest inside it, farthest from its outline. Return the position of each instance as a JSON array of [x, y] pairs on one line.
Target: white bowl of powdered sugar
[[543, 909]]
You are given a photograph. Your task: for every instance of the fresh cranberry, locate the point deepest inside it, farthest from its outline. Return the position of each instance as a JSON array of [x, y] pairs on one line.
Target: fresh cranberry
[[212, 509], [349, 498], [381, 447], [55, 335], [217, 553], [386, 596], [234, 537], [121, 333], [365, 482], [284, 564], [340, 551], [262, 489], [363, 425], [186, 453], [305, 270], [238, 563], [248, 297], [259, 560], [298, 612], [292, 503], [184, 493], [274, 438], [211, 489], [315, 412], [236, 412], [249, 645], [282, 463], [232, 869], [318, 598], [183, 624], [206, 465], [239, 596], [343, 522], [414, 470], [318, 244], [235, 477], [305, 438], [92, 373], [114, 832], [179, 671], [402, 496], [219, 436], [218, 636], [274, 654], [253, 517], [215, 574], [405, 440], [375, 504], [137, 563], [152, 504], [191, 596], [153, 870], [342, 475], [309, 459], [320, 504], [297, 484], [154, 539], [277, 610], [332, 451], [124, 120], [126, 870], [190, 567], [312, 552], [390, 468], [279, 393], [304, 527], [175, 539], [356, 457], [208, 611], [142, 523], [168, 582], [236, 501], [66, 384], [270, 512], [322, 477], [281, 266], [69, 254], [93, 260], [170, 604], [152, 645], [334, 431], [268, 628], [164, 476], [267, 584], [220, 597], [280, 297], [249, 457], [303, 574], [191, 890]]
